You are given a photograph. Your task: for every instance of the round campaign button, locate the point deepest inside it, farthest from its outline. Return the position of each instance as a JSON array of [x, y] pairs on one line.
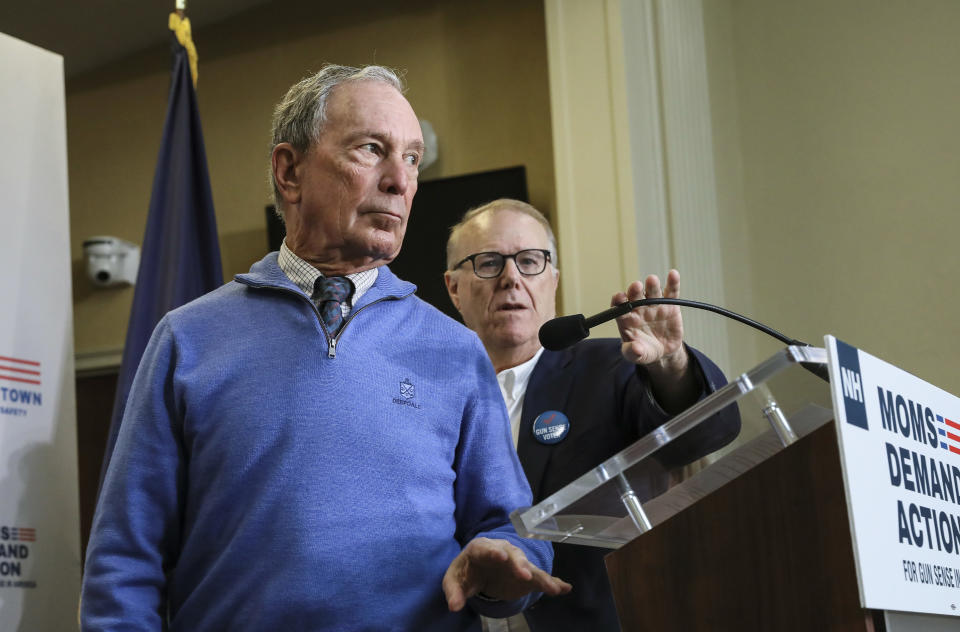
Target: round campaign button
[[550, 427]]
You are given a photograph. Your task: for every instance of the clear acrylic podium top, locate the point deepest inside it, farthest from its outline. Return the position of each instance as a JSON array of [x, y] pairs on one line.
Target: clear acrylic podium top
[[780, 400]]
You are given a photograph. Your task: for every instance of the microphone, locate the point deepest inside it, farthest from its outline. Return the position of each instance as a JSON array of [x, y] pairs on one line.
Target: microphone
[[565, 331], [562, 332]]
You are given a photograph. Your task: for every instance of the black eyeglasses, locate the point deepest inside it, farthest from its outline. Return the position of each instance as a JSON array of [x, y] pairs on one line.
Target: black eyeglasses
[[489, 265]]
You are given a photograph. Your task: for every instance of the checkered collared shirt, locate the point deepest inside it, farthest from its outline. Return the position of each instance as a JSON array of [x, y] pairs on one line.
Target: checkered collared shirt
[[305, 276]]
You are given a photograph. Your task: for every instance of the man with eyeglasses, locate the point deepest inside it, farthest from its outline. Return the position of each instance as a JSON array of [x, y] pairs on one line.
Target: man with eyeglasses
[[502, 276]]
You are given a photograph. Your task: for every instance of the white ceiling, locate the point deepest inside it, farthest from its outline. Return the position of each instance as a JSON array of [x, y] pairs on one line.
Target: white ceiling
[[91, 33]]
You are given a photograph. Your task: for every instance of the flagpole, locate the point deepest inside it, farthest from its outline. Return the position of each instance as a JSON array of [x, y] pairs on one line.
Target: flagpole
[[180, 25], [180, 256]]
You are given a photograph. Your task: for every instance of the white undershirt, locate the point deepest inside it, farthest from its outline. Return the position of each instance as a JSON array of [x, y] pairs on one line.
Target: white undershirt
[[513, 386]]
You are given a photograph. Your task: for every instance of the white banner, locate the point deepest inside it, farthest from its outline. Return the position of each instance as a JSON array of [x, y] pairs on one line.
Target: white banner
[[39, 507], [900, 448]]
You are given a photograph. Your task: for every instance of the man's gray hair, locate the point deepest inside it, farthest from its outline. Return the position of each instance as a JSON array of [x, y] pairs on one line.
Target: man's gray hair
[[299, 117], [503, 204]]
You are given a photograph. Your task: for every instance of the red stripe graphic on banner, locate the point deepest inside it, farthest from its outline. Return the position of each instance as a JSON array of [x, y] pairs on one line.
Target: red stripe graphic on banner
[[954, 450], [25, 534], [952, 424], [956, 438], [10, 368], [31, 362], [23, 371], [17, 379]]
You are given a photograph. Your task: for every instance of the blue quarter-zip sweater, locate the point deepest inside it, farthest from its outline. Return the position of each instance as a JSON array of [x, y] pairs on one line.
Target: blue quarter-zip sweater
[[269, 478]]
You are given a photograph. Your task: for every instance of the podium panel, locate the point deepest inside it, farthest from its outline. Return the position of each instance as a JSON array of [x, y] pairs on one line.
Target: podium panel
[[770, 550]]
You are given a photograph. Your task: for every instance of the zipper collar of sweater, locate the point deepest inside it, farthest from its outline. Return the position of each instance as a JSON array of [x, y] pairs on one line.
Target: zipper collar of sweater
[[267, 274]]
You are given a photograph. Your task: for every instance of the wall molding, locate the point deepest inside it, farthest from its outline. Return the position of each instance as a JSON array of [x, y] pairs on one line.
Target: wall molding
[[633, 154], [98, 362], [594, 216], [690, 175]]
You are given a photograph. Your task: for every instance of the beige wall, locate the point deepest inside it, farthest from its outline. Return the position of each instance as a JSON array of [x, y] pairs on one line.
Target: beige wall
[[476, 71], [836, 156], [837, 142], [735, 234]]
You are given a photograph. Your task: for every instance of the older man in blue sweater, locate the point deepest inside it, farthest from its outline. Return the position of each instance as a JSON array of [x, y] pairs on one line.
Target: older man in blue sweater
[[312, 447]]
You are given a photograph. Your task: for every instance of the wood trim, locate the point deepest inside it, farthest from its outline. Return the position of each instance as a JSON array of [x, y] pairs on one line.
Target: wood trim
[[98, 362]]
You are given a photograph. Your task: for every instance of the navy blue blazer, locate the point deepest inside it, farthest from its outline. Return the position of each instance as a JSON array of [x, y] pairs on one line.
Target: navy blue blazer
[[609, 405]]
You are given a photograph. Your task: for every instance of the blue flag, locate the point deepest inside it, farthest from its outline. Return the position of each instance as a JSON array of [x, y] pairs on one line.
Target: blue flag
[[180, 258]]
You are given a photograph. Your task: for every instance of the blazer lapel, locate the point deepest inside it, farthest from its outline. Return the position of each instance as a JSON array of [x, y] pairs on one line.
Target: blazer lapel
[[548, 389]]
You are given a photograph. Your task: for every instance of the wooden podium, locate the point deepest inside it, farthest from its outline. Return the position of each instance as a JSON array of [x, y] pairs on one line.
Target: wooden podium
[[770, 550], [760, 540]]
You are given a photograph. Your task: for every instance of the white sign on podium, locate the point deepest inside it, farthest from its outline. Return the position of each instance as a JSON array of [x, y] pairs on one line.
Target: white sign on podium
[[900, 450]]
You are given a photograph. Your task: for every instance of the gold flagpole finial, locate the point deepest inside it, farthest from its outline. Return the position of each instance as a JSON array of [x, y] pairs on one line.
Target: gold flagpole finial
[[180, 25]]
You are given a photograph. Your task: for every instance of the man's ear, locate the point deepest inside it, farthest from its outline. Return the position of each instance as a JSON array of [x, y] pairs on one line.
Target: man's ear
[[450, 278], [284, 162]]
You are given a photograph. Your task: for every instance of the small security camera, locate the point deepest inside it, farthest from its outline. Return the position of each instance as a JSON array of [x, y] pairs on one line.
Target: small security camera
[[430, 145], [111, 261]]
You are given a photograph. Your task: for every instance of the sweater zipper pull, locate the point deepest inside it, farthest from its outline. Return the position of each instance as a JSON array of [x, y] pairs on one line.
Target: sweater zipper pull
[[332, 350]]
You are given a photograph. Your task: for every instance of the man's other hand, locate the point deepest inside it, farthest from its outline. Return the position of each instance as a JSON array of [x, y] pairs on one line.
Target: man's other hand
[[653, 335], [497, 569]]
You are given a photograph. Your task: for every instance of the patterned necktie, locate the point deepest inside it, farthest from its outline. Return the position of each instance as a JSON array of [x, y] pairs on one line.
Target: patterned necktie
[[329, 293]]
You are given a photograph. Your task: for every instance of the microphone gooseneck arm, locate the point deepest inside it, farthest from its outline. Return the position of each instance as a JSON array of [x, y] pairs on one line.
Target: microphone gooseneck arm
[[562, 332], [719, 310]]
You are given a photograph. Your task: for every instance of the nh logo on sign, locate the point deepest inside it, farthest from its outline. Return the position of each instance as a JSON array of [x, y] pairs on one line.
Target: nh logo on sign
[[852, 384]]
